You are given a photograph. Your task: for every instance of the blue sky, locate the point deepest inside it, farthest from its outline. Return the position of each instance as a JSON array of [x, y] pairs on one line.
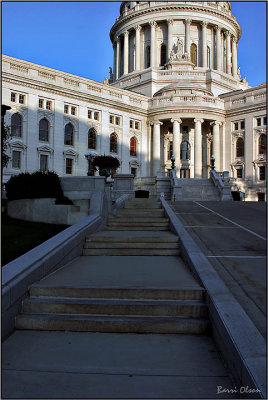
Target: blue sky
[[74, 36]]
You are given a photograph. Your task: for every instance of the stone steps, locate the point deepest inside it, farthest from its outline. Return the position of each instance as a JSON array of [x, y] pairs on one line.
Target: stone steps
[[142, 212], [67, 305], [148, 227], [116, 324], [129, 245], [131, 252]]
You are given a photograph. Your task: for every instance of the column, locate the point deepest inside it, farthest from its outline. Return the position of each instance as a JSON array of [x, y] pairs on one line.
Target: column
[[153, 28], [156, 146], [228, 52], [117, 57], [177, 144], [216, 143], [204, 44], [234, 57], [223, 147], [114, 66], [198, 148], [170, 31], [187, 36], [126, 35], [138, 48], [218, 48]]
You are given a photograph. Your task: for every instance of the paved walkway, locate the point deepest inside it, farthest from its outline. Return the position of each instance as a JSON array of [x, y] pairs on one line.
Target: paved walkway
[[126, 365], [233, 237]]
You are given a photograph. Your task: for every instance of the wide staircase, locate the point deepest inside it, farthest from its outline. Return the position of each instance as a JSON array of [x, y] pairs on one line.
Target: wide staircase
[[198, 190], [143, 286]]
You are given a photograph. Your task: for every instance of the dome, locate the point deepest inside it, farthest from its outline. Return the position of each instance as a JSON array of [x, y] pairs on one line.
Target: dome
[[183, 88]]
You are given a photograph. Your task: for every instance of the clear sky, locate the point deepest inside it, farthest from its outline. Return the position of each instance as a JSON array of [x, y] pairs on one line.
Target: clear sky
[[74, 36]]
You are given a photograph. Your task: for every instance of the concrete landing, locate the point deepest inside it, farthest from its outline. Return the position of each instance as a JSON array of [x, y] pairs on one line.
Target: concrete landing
[[124, 272], [100, 365]]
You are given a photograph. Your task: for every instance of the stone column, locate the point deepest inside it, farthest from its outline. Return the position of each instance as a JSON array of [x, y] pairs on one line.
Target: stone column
[[114, 66], [156, 146], [216, 143], [218, 48], [204, 44], [187, 36], [138, 48], [126, 35], [234, 57], [198, 148], [170, 42], [117, 57], [228, 52], [177, 144], [153, 28]]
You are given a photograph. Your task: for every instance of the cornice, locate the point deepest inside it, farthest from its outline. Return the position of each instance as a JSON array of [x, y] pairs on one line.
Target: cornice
[[66, 92], [124, 19]]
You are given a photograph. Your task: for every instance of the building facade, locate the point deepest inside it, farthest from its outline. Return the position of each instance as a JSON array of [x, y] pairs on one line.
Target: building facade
[[175, 88]]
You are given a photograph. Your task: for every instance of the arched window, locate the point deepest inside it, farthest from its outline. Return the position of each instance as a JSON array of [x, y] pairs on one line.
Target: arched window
[[262, 144], [163, 55], [113, 143], [185, 150], [208, 56], [92, 135], [240, 147], [133, 147], [16, 125], [69, 135], [148, 57], [194, 53], [43, 130]]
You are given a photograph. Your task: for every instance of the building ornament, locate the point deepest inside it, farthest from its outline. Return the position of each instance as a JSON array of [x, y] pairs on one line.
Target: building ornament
[[17, 144], [70, 152], [45, 149]]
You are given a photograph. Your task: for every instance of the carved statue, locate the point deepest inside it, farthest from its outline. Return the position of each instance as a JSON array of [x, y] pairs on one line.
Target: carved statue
[[179, 48], [111, 72], [238, 72], [106, 81]]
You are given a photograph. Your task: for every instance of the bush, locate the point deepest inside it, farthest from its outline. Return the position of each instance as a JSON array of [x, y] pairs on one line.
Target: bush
[[106, 162], [34, 186], [64, 200]]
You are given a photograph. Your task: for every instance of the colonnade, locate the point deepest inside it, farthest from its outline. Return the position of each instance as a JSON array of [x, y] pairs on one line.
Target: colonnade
[[220, 34], [177, 137]]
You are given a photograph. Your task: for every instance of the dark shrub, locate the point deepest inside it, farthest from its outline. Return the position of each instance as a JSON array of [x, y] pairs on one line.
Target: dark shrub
[[64, 200], [34, 186]]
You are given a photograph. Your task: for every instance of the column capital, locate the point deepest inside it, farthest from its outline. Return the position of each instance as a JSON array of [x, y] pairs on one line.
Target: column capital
[[117, 39], [176, 120], [156, 123], [170, 21], [217, 28], [227, 33], [138, 27], [187, 21], [215, 123], [153, 24], [203, 23], [234, 40], [196, 120], [126, 33]]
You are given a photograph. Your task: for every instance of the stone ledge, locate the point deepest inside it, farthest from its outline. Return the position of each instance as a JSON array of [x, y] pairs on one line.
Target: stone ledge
[[240, 343]]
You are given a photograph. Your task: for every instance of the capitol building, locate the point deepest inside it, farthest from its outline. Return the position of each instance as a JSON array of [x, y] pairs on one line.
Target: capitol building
[[174, 89]]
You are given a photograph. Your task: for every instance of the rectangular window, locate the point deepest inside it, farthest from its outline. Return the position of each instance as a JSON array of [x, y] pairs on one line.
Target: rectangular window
[[117, 121], [258, 121], [134, 172], [262, 173], [66, 109], [43, 162], [111, 119], [16, 159], [21, 98], [13, 97], [48, 105], [69, 166], [89, 114], [264, 120], [242, 125], [131, 123], [239, 173], [41, 103], [96, 115], [236, 126], [136, 125], [73, 110]]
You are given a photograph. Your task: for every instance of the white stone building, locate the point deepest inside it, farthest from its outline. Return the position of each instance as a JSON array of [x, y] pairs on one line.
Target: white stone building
[[175, 89]]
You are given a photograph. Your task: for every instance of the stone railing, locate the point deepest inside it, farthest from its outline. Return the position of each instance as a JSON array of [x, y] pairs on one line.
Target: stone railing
[[176, 189], [223, 187]]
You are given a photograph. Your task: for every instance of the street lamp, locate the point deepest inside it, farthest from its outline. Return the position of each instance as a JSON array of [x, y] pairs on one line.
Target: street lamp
[[90, 156], [212, 160]]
